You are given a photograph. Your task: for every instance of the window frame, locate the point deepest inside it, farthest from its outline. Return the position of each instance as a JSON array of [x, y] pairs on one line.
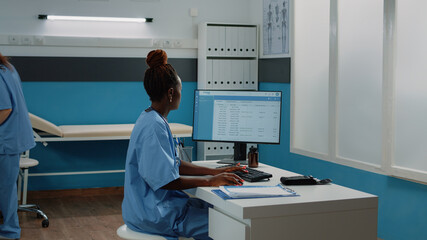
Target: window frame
[[387, 166]]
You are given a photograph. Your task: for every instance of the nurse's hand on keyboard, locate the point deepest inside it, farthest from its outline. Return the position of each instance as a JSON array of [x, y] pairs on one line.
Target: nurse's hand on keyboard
[[232, 168], [225, 178]]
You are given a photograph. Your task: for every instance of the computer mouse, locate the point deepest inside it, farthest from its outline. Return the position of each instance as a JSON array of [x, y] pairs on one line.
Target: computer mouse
[[324, 181]]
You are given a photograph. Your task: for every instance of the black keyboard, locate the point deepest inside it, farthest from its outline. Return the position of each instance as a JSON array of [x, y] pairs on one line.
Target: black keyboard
[[253, 175]]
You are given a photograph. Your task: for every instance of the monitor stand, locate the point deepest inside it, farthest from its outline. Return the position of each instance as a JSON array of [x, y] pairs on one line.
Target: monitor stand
[[239, 155]]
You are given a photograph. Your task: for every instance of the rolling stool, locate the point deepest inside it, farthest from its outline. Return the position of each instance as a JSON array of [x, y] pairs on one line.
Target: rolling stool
[[126, 233], [24, 163]]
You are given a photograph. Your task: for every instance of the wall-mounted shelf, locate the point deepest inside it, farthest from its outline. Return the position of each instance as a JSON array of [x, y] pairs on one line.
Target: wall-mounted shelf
[[227, 59], [228, 56]]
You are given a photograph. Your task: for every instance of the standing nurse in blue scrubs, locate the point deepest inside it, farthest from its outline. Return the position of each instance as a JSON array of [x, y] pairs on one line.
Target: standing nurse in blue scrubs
[[16, 137], [153, 201]]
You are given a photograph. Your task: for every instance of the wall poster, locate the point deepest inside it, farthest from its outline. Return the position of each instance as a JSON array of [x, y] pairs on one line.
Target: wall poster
[[275, 29]]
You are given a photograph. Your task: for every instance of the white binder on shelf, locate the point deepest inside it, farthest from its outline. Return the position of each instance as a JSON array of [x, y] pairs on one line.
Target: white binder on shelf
[[237, 74], [232, 40], [225, 67], [209, 73], [228, 44], [243, 42], [216, 71], [253, 68], [222, 43], [251, 36], [246, 74], [212, 40]]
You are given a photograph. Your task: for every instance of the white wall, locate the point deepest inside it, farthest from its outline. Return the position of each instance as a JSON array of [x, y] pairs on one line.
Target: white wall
[[171, 21]]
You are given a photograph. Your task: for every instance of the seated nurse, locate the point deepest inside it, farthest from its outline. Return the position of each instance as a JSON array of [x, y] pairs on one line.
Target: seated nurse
[[153, 201]]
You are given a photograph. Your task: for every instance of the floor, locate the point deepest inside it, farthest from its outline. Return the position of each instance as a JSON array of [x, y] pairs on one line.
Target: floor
[[74, 214]]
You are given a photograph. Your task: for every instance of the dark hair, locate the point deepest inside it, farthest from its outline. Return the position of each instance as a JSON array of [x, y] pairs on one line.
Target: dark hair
[[4, 62], [160, 76]]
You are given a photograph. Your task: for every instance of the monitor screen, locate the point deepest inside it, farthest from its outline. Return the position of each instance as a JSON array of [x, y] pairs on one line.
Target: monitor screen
[[237, 116]]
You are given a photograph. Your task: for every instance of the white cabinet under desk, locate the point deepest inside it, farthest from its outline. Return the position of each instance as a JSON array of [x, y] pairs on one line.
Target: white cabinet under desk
[[319, 212]]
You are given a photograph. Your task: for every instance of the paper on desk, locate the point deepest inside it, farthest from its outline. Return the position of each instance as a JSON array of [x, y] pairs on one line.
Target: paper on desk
[[256, 191]]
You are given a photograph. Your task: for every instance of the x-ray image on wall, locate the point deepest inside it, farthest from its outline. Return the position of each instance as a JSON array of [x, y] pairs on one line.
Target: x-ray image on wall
[[275, 29]]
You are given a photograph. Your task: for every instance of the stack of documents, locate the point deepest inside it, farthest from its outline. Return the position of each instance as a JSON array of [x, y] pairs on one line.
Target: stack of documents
[[238, 192]]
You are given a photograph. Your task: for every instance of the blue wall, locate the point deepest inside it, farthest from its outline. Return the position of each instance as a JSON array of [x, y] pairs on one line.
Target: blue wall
[[402, 204], [65, 103]]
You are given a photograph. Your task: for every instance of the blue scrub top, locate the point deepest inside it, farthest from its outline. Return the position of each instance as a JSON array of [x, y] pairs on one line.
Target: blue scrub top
[[150, 164], [16, 134]]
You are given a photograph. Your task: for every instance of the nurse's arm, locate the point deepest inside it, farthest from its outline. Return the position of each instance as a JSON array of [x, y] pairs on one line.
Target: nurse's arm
[[211, 181], [190, 169], [4, 114]]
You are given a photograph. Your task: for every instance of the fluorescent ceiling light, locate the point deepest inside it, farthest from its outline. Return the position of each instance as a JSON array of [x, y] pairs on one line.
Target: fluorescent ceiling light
[[102, 19]]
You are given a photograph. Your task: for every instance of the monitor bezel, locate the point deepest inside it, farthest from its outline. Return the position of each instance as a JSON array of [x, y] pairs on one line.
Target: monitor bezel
[[235, 90]]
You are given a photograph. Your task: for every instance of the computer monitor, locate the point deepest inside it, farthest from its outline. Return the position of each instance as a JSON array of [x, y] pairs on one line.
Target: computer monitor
[[240, 117]]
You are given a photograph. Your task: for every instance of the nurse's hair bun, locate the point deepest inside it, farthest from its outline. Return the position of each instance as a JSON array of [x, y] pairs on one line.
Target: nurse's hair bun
[[160, 76], [157, 58]]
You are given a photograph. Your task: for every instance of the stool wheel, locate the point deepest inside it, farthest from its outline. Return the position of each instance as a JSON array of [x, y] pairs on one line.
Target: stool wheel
[[45, 223]]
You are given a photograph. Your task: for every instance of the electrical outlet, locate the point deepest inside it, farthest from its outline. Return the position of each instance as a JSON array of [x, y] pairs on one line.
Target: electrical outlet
[[177, 43], [38, 40], [157, 43], [27, 40], [13, 39], [167, 43]]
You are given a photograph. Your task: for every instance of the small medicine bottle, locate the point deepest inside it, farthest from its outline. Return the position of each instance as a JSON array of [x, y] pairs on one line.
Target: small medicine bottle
[[253, 157]]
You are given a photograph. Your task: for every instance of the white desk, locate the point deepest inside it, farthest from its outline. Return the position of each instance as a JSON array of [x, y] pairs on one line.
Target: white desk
[[320, 212]]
